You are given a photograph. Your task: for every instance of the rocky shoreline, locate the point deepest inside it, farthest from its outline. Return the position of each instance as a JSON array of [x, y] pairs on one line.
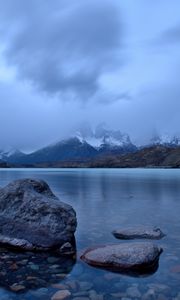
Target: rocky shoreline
[[38, 244]]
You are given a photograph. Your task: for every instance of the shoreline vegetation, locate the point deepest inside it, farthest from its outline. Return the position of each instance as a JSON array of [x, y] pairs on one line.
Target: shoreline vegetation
[[150, 157]]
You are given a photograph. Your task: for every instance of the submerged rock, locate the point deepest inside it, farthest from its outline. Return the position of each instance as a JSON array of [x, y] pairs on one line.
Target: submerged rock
[[66, 249], [27, 271], [139, 232], [137, 258], [61, 295], [17, 288], [33, 218]]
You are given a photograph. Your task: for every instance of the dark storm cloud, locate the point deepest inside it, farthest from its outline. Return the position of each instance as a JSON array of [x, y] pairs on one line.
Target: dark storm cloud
[[121, 55], [62, 46]]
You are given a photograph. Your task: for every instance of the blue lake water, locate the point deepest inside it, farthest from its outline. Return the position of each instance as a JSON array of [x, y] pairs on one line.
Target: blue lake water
[[104, 199]]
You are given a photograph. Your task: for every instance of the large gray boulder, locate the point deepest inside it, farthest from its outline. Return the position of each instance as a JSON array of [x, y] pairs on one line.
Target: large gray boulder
[[125, 257], [33, 218], [139, 232]]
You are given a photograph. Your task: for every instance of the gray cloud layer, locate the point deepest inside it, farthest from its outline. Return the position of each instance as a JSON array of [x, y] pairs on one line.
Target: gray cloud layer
[[62, 46], [96, 50]]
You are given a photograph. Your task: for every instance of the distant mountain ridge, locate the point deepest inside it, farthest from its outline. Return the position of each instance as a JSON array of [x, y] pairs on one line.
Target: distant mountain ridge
[[87, 145], [84, 145], [69, 149]]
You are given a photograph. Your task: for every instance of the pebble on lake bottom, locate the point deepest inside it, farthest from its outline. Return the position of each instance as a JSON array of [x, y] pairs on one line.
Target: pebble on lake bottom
[[61, 295], [17, 287], [133, 292]]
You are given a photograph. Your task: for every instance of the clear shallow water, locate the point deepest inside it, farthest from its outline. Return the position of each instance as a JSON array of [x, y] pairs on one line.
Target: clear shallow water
[[104, 200]]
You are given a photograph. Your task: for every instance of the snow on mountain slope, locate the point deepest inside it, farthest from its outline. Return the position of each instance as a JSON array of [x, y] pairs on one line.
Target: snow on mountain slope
[[6, 153], [10, 154], [165, 140], [104, 137]]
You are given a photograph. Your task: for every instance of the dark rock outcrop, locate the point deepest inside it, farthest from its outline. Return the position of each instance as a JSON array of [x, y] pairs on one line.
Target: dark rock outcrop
[[136, 258], [140, 232], [33, 218]]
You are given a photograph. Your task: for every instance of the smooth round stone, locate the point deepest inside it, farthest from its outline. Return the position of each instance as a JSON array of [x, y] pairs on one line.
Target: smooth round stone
[[59, 286], [61, 295], [126, 257], [133, 292], [138, 232], [34, 267], [73, 285], [17, 287], [85, 286], [162, 297], [81, 298], [40, 292], [159, 287], [52, 259], [149, 295], [118, 295], [94, 296], [81, 294], [23, 262], [54, 267]]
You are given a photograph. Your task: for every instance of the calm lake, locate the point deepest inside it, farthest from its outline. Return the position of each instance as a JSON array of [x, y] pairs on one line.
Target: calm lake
[[104, 199]]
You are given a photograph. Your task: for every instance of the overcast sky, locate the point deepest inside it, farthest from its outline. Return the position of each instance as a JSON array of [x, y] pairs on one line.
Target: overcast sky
[[63, 62]]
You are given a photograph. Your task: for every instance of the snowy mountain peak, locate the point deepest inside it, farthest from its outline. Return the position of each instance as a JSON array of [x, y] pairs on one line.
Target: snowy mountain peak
[[6, 152], [9, 153], [166, 140], [102, 136]]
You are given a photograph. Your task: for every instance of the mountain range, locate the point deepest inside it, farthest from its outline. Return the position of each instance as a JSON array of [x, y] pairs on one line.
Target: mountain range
[[94, 148]]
